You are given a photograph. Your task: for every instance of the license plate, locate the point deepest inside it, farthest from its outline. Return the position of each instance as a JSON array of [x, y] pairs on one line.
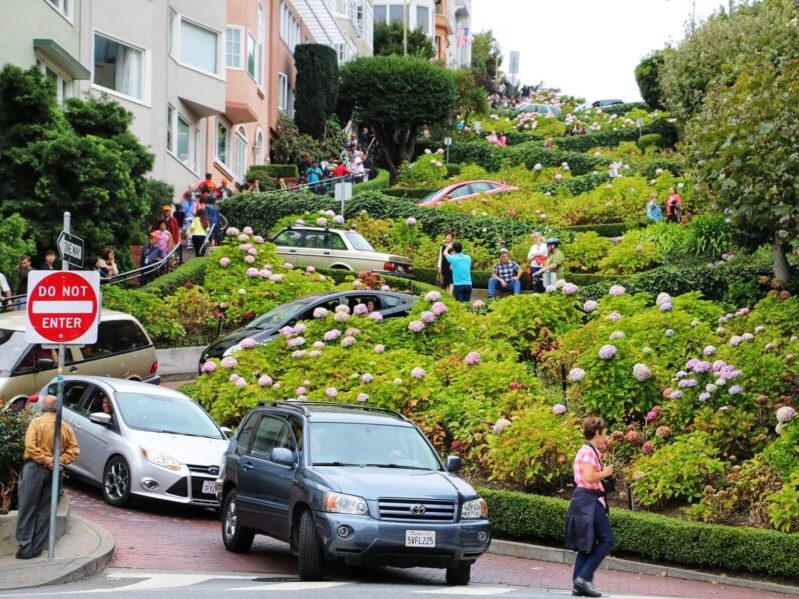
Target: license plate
[[209, 487], [420, 538]]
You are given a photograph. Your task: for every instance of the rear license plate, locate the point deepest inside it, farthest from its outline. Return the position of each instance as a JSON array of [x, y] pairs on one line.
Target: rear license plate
[[209, 487], [420, 538]]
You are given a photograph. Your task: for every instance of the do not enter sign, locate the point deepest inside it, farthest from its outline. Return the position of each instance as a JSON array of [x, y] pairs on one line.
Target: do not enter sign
[[63, 307]]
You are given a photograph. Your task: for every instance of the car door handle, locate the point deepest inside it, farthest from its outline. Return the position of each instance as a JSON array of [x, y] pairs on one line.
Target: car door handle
[[292, 251], [73, 369], [247, 466], [326, 253]]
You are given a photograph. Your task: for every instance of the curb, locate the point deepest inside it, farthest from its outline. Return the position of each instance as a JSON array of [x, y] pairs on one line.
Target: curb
[[564, 556], [170, 377]]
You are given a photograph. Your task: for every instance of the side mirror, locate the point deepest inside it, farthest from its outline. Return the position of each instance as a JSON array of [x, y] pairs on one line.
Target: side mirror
[[226, 430], [454, 463], [101, 418], [283, 456], [44, 364]]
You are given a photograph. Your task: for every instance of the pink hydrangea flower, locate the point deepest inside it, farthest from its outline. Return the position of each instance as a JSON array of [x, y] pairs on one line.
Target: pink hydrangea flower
[[665, 306], [662, 298], [338, 219], [411, 221], [669, 333], [321, 221], [244, 237], [348, 341], [209, 366], [241, 383], [247, 230], [675, 394], [709, 350], [570, 289], [606, 352], [288, 265], [559, 408], [418, 372], [641, 372], [432, 296], [331, 392], [352, 332], [300, 328], [360, 309], [332, 335], [301, 391], [576, 375], [614, 316], [233, 377], [759, 329], [276, 278], [265, 380], [258, 239], [232, 232], [366, 377], [439, 308], [297, 354], [616, 335], [590, 306], [248, 343], [287, 331], [376, 316], [617, 290], [380, 348], [296, 342], [478, 305], [362, 397], [500, 425], [319, 312], [224, 261], [341, 317], [427, 317], [251, 260], [651, 415], [314, 353], [310, 269], [416, 326], [472, 358], [265, 273], [229, 363], [385, 288], [252, 251], [704, 396]]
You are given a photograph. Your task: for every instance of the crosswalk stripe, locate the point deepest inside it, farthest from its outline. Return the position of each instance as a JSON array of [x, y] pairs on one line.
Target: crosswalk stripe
[[467, 590], [291, 586]]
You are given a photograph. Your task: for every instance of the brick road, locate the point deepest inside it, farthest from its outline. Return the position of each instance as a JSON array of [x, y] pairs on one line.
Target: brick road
[[162, 536]]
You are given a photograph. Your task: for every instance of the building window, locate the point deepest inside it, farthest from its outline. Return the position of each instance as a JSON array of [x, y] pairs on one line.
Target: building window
[[233, 47], [423, 19], [358, 18], [62, 6], [198, 46], [222, 142], [240, 153], [289, 27], [251, 60], [170, 123], [258, 150], [396, 13], [118, 67], [380, 14], [259, 48], [283, 92], [62, 85], [341, 53], [184, 145]]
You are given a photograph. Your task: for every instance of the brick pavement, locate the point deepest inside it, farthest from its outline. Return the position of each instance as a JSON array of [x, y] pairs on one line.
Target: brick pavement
[[157, 535]]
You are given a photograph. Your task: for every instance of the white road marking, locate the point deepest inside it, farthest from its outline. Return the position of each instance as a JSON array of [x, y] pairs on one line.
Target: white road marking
[[291, 586], [469, 590]]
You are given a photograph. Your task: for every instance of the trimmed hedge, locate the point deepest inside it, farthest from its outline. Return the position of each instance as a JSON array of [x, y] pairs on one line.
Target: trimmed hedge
[[453, 169], [649, 170], [380, 181], [650, 139], [577, 185], [411, 193], [272, 171], [604, 229], [612, 138], [654, 537], [622, 109], [192, 271]]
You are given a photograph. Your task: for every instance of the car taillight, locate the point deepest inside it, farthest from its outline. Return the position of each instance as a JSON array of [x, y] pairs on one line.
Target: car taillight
[[390, 267], [154, 367]]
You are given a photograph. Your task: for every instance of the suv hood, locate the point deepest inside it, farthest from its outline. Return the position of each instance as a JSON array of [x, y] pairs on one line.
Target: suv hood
[[374, 483]]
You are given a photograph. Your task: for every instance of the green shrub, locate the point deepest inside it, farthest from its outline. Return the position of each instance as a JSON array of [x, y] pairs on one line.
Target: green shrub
[[428, 171], [653, 537], [453, 170], [12, 432], [650, 139], [316, 87], [600, 139], [192, 271], [710, 237], [670, 240], [586, 252], [631, 254], [575, 185], [379, 181], [264, 172], [622, 109], [604, 229], [649, 170], [406, 192]]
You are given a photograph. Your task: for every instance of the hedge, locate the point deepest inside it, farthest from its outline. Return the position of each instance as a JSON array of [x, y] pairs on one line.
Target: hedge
[[191, 271], [612, 138], [649, 170], [604, 229], [576, 185], [622, 109], [380, 181], [263, 172], [408, 192], [653, 537], [650, 139]]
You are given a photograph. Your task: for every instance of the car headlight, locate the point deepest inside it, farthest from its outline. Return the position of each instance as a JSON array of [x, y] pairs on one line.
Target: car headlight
[[474, 509], [159, 459], [229, 351], [345, 504]]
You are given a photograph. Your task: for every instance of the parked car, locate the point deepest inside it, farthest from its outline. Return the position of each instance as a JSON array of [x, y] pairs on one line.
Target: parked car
[[336, 248], [344, 482], [598, 104], [123, 350], [545, 109], [155, 442], [457, 192], [266, 327]]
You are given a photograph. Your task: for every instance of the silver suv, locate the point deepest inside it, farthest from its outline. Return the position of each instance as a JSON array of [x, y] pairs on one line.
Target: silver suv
[[336, 248]]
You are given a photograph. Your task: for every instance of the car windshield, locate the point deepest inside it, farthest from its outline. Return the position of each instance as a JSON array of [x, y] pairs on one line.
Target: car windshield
[[12, 346], [375, 445], [164, 414], [359, 242], [279, 315], [429, 196]]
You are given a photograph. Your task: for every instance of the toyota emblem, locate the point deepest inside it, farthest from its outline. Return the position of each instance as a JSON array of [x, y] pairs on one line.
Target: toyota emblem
[[418, 509]]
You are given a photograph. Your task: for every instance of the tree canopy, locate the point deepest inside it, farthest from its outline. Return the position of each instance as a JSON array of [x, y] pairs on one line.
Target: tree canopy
[[486, 58], [397, 96], [388, 41], [647, 75]]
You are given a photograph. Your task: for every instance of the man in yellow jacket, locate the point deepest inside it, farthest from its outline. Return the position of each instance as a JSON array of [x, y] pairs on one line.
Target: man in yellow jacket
[[33, 519]]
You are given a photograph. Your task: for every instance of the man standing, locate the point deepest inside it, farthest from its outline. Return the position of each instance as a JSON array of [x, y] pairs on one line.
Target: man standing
[[224, 191], [506, 273], [461, 273], [38, 471], [24, 270], [150, 255], [553, 267]]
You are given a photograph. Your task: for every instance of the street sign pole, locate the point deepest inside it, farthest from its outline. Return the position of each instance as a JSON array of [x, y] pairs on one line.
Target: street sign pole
[[57, 433]]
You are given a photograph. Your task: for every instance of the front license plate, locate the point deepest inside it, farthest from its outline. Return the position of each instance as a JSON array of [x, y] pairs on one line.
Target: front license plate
[[420, 538], [209, 487]]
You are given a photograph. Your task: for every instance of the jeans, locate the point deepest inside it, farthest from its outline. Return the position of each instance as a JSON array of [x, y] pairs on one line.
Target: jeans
[[586, 563], [494, 285], [33, 519], [462, 293]]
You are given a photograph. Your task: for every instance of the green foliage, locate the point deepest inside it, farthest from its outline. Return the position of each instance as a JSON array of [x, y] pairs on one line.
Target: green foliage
[[486, 58], [647, 75], [653, 537], [17, 242], [192, 272], [469, 96], [158, 193], [397, 96], [669, 239], [148, 309], [650, 139], [388, 41], [379, 182], [710, 236], [12, 432], [784, 505], [631, 254], [679, 470], [428, 171], [585, 253], [265, 172], [316, 87], [289, 145]]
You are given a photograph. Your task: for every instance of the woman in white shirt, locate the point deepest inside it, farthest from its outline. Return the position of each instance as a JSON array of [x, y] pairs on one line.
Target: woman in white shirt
[[537, 257]]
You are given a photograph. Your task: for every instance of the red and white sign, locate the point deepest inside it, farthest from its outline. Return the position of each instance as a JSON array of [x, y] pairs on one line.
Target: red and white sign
[[63, 307]]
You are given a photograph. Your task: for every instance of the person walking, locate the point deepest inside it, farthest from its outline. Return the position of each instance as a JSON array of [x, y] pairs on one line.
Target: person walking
[[553, 267], [38, 472], [461, 273], [198, 232], [506, 273], [538, 257], [151, 254], [443, 267], [5, 291], [588, 530]]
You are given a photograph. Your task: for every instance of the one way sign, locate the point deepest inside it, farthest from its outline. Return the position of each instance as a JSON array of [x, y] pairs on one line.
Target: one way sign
[[71, 249]]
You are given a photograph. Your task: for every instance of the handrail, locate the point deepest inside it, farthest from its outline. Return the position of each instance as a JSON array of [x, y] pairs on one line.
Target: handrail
[[320, 183]]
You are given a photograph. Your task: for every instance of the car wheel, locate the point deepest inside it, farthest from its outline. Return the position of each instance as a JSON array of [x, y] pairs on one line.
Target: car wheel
[[459, 575], [310, 558], [116, 482], [236, 538]]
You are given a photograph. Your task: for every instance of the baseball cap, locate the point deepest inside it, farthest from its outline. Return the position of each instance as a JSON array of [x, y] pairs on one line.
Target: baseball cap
[[166, 207]]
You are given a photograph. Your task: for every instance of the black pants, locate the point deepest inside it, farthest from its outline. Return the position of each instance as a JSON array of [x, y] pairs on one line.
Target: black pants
[[197, 241], [462, 293], [33, 519]]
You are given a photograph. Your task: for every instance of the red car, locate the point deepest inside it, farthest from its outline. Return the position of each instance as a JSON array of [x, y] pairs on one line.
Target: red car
[[463, 191]]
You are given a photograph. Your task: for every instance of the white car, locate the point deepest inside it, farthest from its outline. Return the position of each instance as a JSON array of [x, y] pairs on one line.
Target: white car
[[154, 442]]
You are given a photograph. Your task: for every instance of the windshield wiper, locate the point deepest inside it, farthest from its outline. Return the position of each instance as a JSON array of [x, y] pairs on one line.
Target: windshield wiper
[[399, 466], [336, 464], [184, 434]]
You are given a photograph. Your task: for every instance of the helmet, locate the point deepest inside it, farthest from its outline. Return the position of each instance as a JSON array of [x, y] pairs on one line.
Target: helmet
[[553, 241]]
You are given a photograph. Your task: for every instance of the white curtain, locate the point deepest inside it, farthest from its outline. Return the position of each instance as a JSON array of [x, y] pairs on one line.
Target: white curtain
[[128, 75]]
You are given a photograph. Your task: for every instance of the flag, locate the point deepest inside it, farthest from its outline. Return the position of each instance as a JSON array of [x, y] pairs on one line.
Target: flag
[[463, 37]]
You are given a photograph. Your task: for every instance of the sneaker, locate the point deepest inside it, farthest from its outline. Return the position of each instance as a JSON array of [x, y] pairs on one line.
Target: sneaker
[[585, 588]]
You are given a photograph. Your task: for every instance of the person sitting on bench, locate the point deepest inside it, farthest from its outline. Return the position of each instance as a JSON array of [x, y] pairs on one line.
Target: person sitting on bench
[[505, 276]]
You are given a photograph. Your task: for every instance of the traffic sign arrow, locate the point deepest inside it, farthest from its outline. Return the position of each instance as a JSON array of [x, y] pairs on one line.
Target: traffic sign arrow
[[70, 248]]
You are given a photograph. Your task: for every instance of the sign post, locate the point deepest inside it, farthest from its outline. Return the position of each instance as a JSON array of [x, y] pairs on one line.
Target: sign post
[[343, 193], [63, 309], [70, 249], [448, 143]]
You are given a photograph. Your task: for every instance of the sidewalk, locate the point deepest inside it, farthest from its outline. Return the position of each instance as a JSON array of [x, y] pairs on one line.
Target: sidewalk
[[179, 363]]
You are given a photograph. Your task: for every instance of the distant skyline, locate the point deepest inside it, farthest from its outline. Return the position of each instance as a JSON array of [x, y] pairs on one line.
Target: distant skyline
[[586, 48]]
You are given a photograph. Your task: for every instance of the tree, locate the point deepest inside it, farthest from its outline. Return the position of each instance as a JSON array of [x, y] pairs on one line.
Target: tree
[[486, 59], [647, 74], [396, 96], [469, 96], [17, 242], [317, 87], [388, 41], [743, 143], [84, 160]]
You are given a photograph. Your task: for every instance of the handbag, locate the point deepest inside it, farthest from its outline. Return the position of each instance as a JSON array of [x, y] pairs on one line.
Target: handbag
[[608, 484]]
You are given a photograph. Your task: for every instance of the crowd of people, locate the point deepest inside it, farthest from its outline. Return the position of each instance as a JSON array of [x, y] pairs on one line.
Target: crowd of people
[[545, 262], [353, 164]]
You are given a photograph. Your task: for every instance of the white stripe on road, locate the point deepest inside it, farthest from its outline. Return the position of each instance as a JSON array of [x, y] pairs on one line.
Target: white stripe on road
[[291, 586], [62, 307], [469, 590]]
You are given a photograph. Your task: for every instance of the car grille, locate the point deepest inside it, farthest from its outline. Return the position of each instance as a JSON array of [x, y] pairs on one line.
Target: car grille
[[204, 470], [409, 510], [199, 474], [180, 488]]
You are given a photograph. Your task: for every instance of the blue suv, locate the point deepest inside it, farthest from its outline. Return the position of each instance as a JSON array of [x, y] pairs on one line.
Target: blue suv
[[351, 483]]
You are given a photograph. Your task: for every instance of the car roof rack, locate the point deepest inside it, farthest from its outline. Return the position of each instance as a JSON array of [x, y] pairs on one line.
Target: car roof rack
[[303, 407]]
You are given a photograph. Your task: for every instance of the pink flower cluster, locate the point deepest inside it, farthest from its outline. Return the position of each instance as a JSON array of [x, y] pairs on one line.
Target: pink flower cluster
[[617, 290], [439, 308], [418, 372], [641, 372], [606, 352], [416, 326], [432, 296], [472, 358], [559, 408]]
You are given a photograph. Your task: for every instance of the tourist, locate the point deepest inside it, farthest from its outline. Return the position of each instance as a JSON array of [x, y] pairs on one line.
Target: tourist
[[553, 267], [506, 273], [588, 529], [38, 472], [314, 176], [96, 264], [537, 256], [189, 205], [653, 210], [461, 273], [443, 267], [502, 141], [151, 254], [171, 223], [199, 231], [108, 261], [49, 260], [674, 206], [224, 192], [24, 270], [492, 138], [164, 237], [341, 170]]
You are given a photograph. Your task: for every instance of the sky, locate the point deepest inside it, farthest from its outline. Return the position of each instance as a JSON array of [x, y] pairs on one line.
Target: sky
[[587, 48]]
